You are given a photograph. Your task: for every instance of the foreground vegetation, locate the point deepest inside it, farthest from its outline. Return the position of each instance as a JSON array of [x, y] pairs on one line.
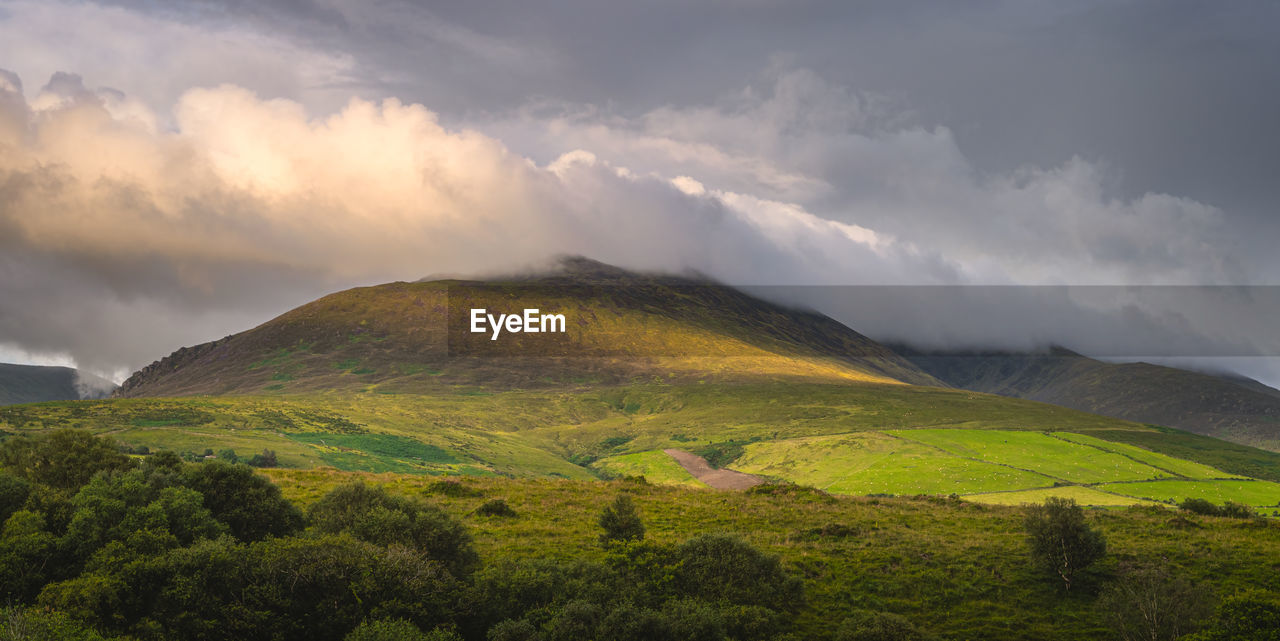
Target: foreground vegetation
[[155, 548]]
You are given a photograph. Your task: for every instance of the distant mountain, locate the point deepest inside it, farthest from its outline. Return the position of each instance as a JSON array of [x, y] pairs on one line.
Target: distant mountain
[[619, 326], [36, 383], [1224, 406]]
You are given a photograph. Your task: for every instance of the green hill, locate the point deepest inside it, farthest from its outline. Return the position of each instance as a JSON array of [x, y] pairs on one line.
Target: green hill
[[1235, 409], [621, 326]]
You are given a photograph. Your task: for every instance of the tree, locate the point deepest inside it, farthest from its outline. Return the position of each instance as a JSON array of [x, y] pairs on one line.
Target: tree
[[228, 455], [26, 550], [63, 459], [371, 514], [266, 459], [718, 567], [13, 495], [35, 624], [249, 504], [110, 508], [1060, 540], [621, 521], [1249, 616], [1148, 603]]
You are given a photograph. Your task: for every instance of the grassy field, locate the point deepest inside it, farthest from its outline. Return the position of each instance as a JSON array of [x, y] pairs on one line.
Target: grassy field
[[1249, 492], [1081, 495], [1164, 462], [876, 463], [1057, 458], [853, 439], [655, 467], [951, 566]]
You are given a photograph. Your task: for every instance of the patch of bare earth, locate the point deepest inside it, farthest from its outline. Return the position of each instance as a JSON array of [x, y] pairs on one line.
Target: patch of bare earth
[[720, 479]]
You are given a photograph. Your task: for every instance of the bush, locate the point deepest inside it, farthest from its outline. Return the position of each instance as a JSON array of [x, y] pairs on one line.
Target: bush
[[249, 504], [865, 625], [513, 630], [718, 567], [629, 623], [63, 459], [720, 454], [1229, 509], [452, 489], [621, 521], [576, 620], [397, 630], [27, 552], [495, 507], [1060, 540], [266, 459], [32, 624], [371, 514], [111, 508], [13, 495], [1252, 615]]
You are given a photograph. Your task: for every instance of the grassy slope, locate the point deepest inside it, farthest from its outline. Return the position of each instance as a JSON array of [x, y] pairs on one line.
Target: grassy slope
[[413, 337], [954, 567], [829, 435]]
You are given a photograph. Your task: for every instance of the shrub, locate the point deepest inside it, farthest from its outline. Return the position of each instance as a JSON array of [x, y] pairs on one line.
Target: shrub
[[513, 630], [32, 624], [495, 507], [452, 489], [720, 454], [249, 504], [266, 459], [630, 623], [719, 567], [1252, 615], [865, 625], [1230, 509], [1060, 540], [576, 620], [63, 459], [371, 514], [13, 495], [621, 521], [398, 630]]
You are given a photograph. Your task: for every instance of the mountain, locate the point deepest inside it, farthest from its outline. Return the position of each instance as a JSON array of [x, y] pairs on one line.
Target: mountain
[[1229, 407], [618, 326], [674, 378], [37, 383]]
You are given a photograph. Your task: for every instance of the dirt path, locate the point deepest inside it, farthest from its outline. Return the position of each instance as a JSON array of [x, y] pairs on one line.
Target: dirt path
[[721, 479]]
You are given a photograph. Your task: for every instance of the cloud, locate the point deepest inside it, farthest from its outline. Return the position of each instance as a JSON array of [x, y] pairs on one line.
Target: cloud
[[861, 159], [132, 240], [122, 239]]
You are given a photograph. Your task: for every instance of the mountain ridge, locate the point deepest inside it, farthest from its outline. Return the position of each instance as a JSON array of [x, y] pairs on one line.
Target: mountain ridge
[[1224, 406], [39, 383]]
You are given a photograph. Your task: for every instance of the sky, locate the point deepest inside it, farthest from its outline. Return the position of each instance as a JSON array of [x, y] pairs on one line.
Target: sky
[[171, 173]]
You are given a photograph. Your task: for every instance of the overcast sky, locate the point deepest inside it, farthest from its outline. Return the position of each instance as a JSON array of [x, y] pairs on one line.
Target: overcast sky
[[174, 172]]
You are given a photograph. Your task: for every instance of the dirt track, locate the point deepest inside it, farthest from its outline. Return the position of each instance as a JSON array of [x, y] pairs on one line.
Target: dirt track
[[721, 479]]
